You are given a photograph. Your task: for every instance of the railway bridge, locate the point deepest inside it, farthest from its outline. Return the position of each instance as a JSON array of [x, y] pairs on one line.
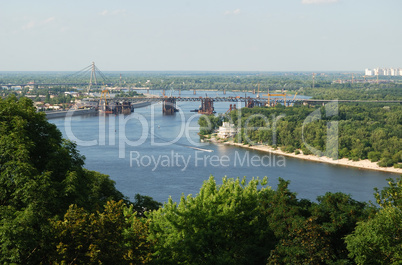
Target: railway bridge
[[169, 103]]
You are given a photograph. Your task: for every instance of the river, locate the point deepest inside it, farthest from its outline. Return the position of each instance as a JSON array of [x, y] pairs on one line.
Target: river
[[161, 156]]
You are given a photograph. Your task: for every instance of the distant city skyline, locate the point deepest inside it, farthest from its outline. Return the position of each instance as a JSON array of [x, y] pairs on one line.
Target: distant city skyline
[[383, 71], [185, 35]]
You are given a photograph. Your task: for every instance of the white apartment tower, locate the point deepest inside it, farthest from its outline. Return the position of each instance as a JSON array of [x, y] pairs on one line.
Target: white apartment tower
[[383, 71]]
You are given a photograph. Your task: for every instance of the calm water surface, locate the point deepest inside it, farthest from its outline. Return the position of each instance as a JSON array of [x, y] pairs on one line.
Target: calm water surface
[[161, 156]]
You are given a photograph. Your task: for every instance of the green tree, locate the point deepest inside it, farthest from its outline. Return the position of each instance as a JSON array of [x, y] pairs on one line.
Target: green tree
[[40, 176], [208, 123], [390, 196], [114, 236], [316, 236], [144, 204], [338, 213], [378, 240], [221, 225]]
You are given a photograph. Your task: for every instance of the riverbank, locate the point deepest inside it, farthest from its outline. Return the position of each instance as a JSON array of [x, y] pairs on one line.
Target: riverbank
[[362, 164]]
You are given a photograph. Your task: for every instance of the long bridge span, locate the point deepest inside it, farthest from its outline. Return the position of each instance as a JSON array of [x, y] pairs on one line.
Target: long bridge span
[[169, 103], [246, 99]]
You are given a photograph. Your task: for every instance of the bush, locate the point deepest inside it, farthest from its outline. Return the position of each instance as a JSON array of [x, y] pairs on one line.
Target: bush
[[289, 149], [374, 156], [386, 162]]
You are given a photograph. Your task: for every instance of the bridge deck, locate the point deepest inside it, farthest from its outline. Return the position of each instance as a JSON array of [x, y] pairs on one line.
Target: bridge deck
[[245, 99]]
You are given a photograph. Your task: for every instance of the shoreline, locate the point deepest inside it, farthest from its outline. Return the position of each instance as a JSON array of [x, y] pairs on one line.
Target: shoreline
[[361, 164]]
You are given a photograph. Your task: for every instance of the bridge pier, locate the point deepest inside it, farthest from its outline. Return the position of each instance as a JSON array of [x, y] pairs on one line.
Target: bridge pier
[[169, 106], [207, 106], [123, 108], [231, 107], [251, 103]]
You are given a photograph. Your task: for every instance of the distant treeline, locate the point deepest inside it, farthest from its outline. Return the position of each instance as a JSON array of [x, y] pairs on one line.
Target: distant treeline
[[390, 91], [292, 82], [365, 131]]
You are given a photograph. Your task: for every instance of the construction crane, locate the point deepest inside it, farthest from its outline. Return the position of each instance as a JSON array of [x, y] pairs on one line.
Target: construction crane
[[314, 79], [352, 80], [269, 95], [364, 77], [104, 107], [293, 100]]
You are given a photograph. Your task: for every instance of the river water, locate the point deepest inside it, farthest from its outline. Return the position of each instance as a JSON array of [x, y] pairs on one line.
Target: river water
[[161, 156]]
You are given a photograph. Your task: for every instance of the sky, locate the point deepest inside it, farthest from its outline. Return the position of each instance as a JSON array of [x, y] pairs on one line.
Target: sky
[[190, 35]]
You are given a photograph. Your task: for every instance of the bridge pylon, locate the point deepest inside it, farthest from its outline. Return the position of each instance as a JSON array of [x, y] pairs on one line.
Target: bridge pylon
[[93, 76]]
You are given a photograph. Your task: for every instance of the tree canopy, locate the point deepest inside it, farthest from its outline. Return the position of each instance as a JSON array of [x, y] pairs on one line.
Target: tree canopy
[[223, 224], [364, 131], [41, 175]]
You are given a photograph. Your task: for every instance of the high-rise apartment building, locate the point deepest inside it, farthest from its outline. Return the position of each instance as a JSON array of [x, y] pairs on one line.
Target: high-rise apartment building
[[383, 71]]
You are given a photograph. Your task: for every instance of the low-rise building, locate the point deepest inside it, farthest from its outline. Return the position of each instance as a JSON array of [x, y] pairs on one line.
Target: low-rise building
[[226, 130]]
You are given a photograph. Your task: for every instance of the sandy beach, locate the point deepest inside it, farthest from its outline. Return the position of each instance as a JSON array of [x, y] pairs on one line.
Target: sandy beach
[[362, 164]]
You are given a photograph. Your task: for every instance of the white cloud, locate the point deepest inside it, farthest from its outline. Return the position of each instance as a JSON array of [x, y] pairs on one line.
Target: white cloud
[[29, 25], [33, 24], [113, 13], [46, 21], [104, 13], [311, 2], [232, 12]]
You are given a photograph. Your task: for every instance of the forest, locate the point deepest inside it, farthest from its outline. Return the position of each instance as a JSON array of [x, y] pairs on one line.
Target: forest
[[54, 211], [363, 131]]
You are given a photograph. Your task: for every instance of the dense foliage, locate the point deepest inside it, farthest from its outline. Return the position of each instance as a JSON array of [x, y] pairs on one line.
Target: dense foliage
[[378, 240], [208, 123], [221, 225], [114, 236], [41, 175], [250, 223], [364, 131], [366, 91]]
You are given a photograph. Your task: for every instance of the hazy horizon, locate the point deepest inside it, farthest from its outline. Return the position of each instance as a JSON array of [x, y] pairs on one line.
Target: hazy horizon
[[181, 71]]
